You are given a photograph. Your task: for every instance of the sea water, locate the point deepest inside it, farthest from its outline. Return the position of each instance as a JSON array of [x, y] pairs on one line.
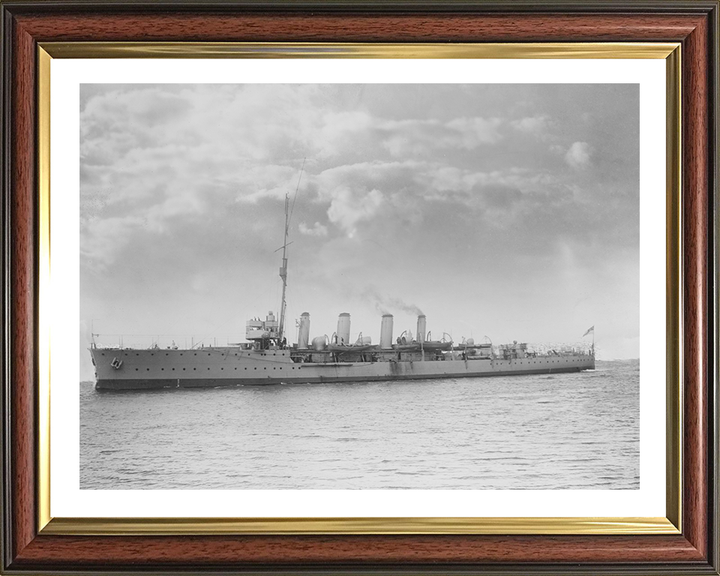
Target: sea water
[[561, 431]]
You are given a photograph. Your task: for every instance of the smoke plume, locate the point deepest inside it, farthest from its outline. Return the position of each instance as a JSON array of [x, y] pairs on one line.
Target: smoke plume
[[388, 304]]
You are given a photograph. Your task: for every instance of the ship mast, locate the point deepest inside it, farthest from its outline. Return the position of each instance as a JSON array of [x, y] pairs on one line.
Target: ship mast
[[283, 268]]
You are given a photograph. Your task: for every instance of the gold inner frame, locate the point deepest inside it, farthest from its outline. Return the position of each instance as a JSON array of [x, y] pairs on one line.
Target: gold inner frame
[[671, 524]]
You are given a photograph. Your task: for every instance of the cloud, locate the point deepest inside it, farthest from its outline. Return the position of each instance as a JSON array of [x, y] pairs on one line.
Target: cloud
[[532, 124], [454, 179], [578, 155], [472, 132], [418, 137], [102, 240], [317, 229], [339, 131], [156, 153], [254, 183], [347, 208]]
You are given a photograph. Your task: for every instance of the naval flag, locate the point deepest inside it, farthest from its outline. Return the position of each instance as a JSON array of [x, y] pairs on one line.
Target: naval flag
[[590, 330]]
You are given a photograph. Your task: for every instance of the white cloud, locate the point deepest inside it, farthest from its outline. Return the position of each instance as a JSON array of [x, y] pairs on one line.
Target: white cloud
[[102, 240], [578, 155], [316, 230], [450, 179], [339, 132], [532, 124], [416, 137], [266, 181], [472, 132], [347, 209], [174, 205]]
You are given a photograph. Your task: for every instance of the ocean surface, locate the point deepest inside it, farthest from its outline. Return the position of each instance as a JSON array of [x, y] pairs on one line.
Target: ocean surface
[[562, 431]]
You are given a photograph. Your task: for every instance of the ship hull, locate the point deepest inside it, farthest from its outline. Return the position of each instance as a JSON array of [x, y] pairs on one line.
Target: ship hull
[[229, 382], [211, 368]]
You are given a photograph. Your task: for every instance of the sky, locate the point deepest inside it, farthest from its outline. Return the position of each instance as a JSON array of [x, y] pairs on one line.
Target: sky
[[502, 211]]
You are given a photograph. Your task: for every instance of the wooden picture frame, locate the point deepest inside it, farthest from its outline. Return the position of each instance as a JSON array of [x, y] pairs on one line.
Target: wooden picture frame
[[31, 545]]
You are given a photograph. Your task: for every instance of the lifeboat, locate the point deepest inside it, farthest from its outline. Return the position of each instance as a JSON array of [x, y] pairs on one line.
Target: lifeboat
[[342, 348], [435, 345], [406, 343], [406, 347]]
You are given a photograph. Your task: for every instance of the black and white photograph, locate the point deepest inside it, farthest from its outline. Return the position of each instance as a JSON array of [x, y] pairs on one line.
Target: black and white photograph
[[359, 286]]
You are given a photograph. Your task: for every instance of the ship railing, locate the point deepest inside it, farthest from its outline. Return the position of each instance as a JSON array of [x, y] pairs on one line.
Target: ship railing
[[544, 350], [165, 341]]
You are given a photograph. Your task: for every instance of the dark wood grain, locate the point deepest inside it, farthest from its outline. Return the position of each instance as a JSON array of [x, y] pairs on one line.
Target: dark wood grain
[[690, 552], [357, 27], [696, 306], [226, 551], [23, 282]]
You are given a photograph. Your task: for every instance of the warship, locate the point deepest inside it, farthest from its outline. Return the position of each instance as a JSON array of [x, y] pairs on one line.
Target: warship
[[267, 358]]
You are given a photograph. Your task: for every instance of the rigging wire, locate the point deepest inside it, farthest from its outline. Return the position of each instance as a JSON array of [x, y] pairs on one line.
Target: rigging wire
[[292, 208]]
